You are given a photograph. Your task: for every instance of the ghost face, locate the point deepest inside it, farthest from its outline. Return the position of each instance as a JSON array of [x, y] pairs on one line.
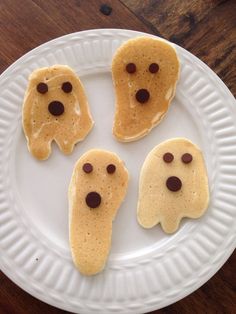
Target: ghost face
[[173, 185], [145, 72], [55, 108], [98, 186]]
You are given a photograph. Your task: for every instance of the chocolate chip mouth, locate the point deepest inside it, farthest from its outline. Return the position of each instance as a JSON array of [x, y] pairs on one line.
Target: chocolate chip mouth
[[93, 199], [56, 108], [174, 184], [142, 95]]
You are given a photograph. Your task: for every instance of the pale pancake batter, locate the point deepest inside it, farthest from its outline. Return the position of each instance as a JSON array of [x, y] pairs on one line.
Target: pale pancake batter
[[145, 72], [97, 188], [55, 108], [173, 184]]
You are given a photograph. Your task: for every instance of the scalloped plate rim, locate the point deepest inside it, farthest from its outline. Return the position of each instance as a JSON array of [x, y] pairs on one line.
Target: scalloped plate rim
[[229, 250]]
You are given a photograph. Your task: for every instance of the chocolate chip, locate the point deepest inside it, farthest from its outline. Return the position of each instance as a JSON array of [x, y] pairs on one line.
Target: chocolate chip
[[105, 9], [174, 184], [111, 168], [93, 199], [87, 167], [66, 87], [168, 157], [56, 108], [187, 158], [42, 88], [131, 68], [142, 95], [153, 68]]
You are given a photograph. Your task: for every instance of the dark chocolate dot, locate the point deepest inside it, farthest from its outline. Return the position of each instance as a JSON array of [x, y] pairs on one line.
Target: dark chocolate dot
[[56, 108], [87, 167], [174, 184], [105, 9], [168, 157], [142, 95], [111, 168], [187, 158], [93, 199], [131, 68], [42, 88], [153, 68], [66, 87]]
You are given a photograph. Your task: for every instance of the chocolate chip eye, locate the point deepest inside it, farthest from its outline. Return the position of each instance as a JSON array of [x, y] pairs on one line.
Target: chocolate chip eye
[[168, 157], [153, 68], [186, 158], [111, 169], [131, 68], [66, 87], [42, 88], [87, 168]]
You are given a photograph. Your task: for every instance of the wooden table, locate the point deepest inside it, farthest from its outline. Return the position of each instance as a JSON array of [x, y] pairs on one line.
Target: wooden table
[[206, 28]]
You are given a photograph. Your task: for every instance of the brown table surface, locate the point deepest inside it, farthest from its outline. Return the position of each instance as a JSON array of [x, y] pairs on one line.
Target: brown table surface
[[207, 28]]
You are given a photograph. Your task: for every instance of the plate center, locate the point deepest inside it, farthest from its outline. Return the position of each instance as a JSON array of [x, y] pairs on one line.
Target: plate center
[[42, 185]]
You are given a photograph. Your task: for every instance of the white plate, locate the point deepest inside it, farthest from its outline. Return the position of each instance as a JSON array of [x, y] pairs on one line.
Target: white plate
[[146, 269]]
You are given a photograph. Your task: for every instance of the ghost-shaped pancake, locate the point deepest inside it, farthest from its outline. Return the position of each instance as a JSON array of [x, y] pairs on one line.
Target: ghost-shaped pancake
[[173, 184], [97, 188], [145, 72], [56, 109]]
